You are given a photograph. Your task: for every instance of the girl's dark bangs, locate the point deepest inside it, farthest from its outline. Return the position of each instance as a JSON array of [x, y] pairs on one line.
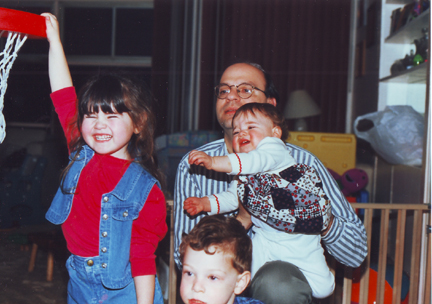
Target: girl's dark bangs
[[105, 102]]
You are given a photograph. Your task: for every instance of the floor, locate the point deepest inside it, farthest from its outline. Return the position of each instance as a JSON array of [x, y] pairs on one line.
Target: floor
[[17, 285]]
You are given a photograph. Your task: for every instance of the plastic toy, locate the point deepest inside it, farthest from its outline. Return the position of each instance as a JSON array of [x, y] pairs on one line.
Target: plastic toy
[[351, 181], [388, 289]]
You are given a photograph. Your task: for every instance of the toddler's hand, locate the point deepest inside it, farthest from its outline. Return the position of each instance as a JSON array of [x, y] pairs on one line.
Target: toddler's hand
[[200, 158], [52, 28], [195, 205]]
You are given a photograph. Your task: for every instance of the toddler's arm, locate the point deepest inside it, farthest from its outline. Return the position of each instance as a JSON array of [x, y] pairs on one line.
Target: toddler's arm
[[216, 163], [58, 69], [270, 154], [223, 202]]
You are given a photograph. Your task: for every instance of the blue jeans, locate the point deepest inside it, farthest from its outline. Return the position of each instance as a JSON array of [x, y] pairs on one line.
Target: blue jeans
[[85, 285]]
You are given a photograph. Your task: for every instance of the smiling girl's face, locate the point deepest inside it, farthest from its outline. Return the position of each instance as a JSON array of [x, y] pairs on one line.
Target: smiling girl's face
[[108, 133], [249, 129]]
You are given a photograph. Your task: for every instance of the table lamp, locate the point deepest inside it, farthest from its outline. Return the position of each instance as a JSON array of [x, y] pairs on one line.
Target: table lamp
[[300, 105]]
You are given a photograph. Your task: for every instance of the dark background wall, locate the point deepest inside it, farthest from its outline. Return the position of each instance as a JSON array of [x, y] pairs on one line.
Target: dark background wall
[[302, 44]]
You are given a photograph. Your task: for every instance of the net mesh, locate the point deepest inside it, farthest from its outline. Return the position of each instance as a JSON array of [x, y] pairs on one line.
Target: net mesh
[[14, 42]]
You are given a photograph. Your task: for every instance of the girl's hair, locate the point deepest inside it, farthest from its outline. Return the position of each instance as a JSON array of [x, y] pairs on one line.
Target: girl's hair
[[111, 93], [225, 234], [267, 110]]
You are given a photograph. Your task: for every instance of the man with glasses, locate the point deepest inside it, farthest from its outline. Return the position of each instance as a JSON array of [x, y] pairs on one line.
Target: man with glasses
[[276, 282]]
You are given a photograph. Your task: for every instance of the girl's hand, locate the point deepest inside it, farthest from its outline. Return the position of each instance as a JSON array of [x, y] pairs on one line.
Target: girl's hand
[[195, 205], [52, 28], [200, 158], [58, 68]]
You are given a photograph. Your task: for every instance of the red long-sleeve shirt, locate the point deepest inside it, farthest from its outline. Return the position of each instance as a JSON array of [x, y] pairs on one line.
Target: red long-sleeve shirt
[[99, 176]]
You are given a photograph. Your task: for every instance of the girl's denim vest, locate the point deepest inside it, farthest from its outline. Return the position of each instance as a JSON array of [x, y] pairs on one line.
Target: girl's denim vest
[[118, 210]]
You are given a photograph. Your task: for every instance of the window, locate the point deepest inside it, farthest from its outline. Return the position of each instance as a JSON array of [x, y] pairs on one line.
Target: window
[[108, 31], [96, 35], [27, 96], [134, 30], [87, 31]]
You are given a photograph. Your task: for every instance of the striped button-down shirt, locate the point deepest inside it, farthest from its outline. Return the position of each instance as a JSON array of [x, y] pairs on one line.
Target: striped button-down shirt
[[346, 239]]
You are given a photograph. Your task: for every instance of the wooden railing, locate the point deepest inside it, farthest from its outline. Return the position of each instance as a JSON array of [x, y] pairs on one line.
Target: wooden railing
[[172, 278], [420, 267]]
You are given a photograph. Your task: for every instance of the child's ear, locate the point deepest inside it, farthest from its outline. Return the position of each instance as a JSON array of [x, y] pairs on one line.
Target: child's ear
[[140, 125], [243, 280], [277, 132]]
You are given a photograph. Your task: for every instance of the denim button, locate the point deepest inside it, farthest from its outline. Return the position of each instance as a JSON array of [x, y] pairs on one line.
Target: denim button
[[106, 199], [90, 262], [125, 214], [105, 216], [104, 265], [104, 249], [104, 234]]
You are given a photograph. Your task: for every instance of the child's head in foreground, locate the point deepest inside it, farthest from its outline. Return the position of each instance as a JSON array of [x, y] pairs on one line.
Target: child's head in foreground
[[216, 257], [252, 122]]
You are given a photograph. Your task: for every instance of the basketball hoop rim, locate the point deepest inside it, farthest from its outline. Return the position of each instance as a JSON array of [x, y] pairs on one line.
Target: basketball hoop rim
[[22, 22]]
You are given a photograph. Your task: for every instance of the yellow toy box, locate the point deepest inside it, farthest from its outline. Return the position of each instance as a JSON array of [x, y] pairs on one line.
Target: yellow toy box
[[336, 151]]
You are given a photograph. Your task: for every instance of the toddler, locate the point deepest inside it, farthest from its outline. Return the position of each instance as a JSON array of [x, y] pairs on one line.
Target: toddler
[[288, 205]]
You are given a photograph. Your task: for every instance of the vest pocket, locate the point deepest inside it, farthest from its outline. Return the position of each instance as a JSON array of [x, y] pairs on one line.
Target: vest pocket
[[125, 213]]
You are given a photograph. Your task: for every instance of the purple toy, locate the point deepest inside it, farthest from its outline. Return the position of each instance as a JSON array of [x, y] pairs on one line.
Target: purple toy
[[351, 181]]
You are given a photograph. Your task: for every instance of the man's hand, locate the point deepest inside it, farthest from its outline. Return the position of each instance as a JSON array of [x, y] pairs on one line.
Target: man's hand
[[324, 232], [195, 205], [244, 217], [200, 158]]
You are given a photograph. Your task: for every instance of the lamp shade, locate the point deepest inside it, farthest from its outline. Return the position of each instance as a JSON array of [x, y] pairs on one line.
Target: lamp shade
[[300, 104]]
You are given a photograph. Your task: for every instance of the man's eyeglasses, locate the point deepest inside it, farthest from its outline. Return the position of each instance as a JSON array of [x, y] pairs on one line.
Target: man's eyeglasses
[[244, 90]]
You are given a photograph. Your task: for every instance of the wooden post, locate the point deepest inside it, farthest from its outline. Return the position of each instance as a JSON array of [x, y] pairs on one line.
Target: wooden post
[[427, 296], [172, 267], [33, 257], [50, 266], [415, 258], [364, 281], [382, 255], [399, 254]]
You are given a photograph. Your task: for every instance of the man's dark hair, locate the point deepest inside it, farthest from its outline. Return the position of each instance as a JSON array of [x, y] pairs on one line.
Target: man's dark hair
[[270, 89], [226, 234]]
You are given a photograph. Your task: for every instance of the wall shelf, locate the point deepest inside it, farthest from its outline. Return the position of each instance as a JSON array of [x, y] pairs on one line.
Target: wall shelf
[[411, 31], [409, 87], [417, 74]]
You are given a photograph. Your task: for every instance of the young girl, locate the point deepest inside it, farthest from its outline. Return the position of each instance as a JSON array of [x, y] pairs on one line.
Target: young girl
[[286, 199], [109, 203]]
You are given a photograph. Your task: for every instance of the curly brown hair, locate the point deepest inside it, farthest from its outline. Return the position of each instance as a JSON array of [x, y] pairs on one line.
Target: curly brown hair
[[224, 233]]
